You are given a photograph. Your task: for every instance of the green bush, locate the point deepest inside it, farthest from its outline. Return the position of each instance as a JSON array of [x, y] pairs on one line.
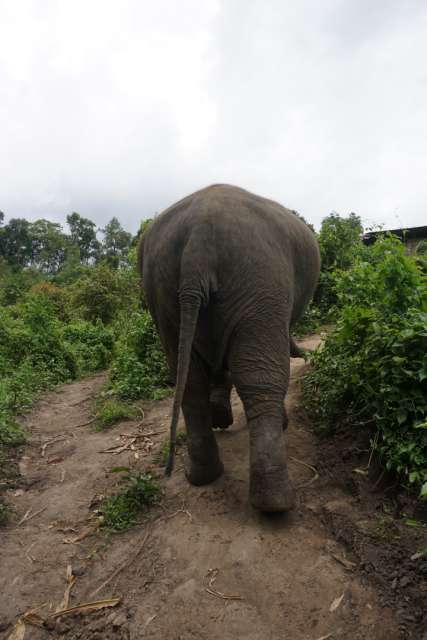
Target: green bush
[[111, 411], [340, 245], [14, 284], [372, 370], [309, 322], [102, 293], [139, 368], [90, 344], [33, 357]]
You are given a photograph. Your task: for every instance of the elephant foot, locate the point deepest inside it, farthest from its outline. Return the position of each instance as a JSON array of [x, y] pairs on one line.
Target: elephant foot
[[272, 491], [222, 416], [198, 474]]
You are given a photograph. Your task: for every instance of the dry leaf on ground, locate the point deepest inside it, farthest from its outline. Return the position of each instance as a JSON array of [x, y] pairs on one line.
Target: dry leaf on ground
[[70, 583], [18, 631], [336, 603], [86, 607], [82, 535], [218, 594]]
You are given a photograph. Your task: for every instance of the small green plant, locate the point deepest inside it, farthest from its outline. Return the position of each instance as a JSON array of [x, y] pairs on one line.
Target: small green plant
[[4, 513], [162, 456], [121, 511], [112, 411]]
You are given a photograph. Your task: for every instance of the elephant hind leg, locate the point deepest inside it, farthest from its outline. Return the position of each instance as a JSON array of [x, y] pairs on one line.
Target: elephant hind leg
[[222, 414], [204, 462], [261, 383]]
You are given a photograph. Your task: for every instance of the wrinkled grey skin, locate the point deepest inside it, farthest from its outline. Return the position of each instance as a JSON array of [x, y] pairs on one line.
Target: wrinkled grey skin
[[226, 274]]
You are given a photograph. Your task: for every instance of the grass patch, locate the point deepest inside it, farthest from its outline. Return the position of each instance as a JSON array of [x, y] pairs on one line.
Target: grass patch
[[112, 411], [11, 437], [11, 434], [163, 454], [122, 511], [4, 513]]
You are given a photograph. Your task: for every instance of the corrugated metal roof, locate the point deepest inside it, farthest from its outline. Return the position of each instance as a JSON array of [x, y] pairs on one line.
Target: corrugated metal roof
[[410, 232]]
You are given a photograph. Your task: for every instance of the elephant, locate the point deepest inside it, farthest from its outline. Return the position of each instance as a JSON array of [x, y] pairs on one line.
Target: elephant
[[226, 274]]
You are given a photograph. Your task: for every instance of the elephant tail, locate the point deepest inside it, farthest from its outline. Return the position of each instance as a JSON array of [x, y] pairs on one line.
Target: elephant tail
[[189, 309]]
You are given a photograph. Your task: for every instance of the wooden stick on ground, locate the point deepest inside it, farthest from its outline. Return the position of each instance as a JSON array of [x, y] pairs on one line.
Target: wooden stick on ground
[[28, 517], [120, 568]]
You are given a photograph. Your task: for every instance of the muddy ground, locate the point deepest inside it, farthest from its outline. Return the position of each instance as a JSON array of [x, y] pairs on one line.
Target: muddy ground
[[345, 564]]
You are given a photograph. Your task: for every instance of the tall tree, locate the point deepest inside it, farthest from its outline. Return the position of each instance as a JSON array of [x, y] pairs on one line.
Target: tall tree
[[49, 246], [338, 239], [116, 243], [16, 242], [83, 235]]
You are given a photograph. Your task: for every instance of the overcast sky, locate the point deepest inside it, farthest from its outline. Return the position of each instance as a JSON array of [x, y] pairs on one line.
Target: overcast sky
[[121, 107]]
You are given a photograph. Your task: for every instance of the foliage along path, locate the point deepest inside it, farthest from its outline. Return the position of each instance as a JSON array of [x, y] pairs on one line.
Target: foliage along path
[[202, 565]]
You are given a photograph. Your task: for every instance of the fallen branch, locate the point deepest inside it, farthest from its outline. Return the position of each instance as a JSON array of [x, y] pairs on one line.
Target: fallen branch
[[120, 448], [75, 404], [309, 466], [132, 557], [143, 435], [70, 583], [27, 516], [86, 606], [31, 617], [27, 553], [49, 442], [175, 513], [83, 424], [345, 563], [82, 535], [187, 513], [218, 594], [18, 631]]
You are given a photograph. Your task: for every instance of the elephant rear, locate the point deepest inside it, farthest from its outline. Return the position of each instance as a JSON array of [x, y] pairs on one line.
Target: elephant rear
[[226, 274]]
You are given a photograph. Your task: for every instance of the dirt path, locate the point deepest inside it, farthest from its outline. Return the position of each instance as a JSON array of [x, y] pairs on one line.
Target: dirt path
[[292, 579]]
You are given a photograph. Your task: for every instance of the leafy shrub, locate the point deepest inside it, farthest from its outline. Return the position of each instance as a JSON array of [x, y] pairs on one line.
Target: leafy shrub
[[15, 284], [340, 244], [121, 511], [139, 368], [33, 357], [55, 296], [102, 292], [112, 411], [309, 322], [372, 370], [90, 344]]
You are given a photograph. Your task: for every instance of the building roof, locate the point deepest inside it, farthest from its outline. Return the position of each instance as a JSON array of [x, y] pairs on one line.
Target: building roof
[[410, 232]]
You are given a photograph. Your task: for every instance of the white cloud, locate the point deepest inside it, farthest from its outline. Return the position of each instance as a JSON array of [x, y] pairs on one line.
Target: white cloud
[[121, 107]]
